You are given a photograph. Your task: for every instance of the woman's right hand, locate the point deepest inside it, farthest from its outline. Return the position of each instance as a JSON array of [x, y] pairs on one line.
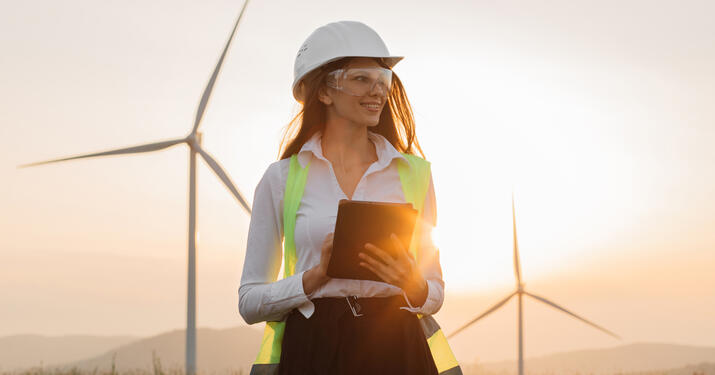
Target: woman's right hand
[[315, 277]]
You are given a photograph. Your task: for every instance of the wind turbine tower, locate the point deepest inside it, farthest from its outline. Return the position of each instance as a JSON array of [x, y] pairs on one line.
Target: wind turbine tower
[[193, 140], [519, 291]]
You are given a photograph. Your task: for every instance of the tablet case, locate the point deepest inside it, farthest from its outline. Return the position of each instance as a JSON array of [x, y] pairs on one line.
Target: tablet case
[[360, 222]]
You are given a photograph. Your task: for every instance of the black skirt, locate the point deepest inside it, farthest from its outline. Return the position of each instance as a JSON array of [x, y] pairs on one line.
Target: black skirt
[[384, 340]]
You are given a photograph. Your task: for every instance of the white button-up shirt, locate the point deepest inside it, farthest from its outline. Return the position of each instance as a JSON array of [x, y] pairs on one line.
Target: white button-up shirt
[[263, 299]]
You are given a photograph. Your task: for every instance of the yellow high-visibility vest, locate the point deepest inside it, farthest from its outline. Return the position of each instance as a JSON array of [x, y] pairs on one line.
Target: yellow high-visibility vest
[[415, 179]]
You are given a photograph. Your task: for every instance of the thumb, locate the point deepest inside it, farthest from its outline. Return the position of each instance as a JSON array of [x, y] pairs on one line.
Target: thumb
[[411, 257], [328, 241]]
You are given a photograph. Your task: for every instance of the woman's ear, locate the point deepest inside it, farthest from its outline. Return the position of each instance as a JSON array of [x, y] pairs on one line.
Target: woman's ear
[[324, 97]]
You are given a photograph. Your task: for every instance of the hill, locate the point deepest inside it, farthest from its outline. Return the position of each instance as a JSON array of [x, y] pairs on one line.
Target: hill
[[218, 350], [234, 349], [22, 351], [636, 357]]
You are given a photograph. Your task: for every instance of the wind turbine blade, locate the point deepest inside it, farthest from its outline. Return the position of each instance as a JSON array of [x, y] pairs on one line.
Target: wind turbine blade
[[224, 178], [209, 87], [517, 263], [129, 150], [490, 310], [544, 300]]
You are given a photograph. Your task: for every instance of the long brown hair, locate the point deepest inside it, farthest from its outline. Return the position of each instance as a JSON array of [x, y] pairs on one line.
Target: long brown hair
[[397, 123]]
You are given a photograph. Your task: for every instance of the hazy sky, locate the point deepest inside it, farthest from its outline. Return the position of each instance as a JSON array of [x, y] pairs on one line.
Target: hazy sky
[[599, 115]]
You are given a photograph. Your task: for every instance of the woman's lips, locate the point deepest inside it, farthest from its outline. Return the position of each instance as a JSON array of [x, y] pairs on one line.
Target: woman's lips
[[372, 107]]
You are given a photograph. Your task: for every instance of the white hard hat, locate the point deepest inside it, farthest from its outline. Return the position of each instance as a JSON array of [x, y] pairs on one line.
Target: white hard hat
[[334, 41]]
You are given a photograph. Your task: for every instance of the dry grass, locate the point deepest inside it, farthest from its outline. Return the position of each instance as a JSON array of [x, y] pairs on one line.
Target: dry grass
[[157, 369]]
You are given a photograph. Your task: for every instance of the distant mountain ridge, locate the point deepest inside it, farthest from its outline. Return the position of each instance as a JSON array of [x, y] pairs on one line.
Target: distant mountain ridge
[[218, 351], [23, 351], [234, 349], [636, 357]]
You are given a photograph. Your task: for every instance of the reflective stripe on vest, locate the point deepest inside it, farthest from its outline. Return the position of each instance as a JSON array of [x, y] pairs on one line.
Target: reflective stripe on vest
[[415, 183]]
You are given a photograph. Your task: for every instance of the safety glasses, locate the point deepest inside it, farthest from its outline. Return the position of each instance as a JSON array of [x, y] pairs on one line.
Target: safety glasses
[[361, 81]]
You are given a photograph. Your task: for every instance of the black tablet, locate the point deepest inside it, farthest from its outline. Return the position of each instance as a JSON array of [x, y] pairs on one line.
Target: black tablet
[[360, 222]]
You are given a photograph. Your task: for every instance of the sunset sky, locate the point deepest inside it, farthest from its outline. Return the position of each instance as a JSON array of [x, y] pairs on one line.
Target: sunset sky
[[600, 116]]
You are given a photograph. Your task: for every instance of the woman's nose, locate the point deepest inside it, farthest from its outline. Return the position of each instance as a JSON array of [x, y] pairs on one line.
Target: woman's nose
[[379, 89]]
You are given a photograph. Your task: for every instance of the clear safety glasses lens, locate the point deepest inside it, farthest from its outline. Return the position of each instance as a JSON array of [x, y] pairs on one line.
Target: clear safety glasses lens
[[361, 81]]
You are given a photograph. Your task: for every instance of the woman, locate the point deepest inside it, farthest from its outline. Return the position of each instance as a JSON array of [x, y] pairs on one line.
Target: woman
[[353, 131]]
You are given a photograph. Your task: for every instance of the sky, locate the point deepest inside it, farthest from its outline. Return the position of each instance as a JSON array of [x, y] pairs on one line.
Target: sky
[[597, 115]]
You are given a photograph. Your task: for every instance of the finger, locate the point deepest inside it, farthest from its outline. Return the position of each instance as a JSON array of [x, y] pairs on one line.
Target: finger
[[384, 269], [373, 261], [398, 244], [382, 273], [397, 267], [375, 271], [328, 242], [402, 251], [379, 253]]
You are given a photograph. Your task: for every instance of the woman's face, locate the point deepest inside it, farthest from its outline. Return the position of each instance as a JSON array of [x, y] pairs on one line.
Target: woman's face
[[358, 110]]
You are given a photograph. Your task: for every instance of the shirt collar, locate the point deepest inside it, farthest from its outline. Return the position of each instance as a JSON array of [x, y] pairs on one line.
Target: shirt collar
[[386, 152]]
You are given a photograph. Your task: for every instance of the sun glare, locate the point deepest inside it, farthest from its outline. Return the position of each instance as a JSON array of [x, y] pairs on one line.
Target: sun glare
[[434, 234]]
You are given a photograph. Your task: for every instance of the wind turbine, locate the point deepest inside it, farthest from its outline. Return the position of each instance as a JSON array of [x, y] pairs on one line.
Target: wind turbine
[[193, 140], [519, 291]]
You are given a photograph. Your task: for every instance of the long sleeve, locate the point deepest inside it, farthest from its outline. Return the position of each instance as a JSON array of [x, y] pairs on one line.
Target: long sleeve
[[260, 296], [429, 259]]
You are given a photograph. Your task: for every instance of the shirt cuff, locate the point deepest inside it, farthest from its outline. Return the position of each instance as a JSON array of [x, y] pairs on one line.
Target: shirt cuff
[[431, 303], [307, 308], [288, 293]]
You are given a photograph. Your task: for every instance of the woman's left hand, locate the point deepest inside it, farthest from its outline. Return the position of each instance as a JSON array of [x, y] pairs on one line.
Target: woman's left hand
[[401, 272]]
